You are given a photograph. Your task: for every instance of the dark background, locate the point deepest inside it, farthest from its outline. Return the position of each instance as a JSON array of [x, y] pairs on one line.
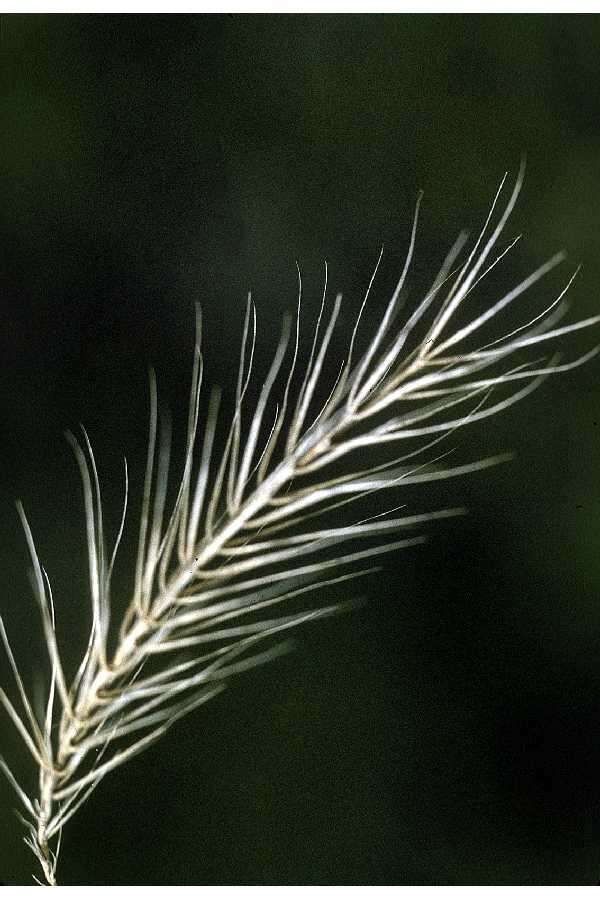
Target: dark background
[[449, 731]]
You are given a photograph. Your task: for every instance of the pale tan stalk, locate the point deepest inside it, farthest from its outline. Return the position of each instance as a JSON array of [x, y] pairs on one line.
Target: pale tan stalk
[[236, 544]]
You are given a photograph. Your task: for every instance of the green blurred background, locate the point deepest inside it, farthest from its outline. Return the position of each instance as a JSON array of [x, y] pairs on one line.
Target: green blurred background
[[448, 732]]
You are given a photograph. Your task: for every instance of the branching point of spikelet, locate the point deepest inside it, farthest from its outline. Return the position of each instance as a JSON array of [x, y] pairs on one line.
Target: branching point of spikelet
[[243, 536]]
